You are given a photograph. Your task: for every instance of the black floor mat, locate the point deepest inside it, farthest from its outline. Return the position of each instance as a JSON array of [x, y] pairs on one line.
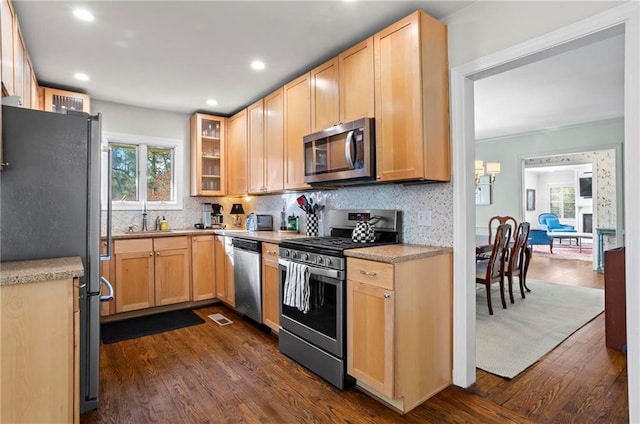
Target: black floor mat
[[151, 324]]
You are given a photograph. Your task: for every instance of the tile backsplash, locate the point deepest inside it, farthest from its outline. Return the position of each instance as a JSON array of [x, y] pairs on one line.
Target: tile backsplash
[[409, 199]]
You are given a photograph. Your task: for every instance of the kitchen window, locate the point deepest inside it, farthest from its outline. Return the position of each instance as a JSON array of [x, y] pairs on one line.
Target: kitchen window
[[562, 201], [144, 172]]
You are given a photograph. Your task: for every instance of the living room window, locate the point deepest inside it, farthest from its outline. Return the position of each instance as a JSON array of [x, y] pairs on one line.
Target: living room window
[[562, 201], [144, 172]]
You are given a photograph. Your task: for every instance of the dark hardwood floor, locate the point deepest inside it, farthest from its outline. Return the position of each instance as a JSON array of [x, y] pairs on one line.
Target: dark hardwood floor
[[235, 374]]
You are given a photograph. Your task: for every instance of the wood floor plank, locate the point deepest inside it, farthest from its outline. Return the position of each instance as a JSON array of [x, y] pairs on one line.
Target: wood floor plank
[[235, 374]]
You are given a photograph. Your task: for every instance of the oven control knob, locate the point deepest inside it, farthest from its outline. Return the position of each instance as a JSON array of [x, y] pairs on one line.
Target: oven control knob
[[305, 256], [287, 253], [320, 260], [328, 261], [294, 254]]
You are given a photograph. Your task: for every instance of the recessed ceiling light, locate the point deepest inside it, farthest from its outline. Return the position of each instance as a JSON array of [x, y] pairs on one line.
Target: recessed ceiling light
[[258, 65], [81, 76], [83, 14], [212, 102]]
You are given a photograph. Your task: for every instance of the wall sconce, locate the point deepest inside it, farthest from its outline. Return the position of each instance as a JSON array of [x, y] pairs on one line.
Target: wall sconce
[[236, 211], [492, 169]]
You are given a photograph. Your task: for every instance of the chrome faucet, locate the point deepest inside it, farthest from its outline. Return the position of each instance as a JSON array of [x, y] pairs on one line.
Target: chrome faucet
[[144, 222], [158, 223]]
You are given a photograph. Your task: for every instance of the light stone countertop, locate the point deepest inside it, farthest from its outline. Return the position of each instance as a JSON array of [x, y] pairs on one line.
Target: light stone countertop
[[264, 236], [394, 253], [22, 272]]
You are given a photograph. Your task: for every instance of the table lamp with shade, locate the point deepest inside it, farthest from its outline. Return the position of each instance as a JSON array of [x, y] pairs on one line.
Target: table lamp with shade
[[236, 211]]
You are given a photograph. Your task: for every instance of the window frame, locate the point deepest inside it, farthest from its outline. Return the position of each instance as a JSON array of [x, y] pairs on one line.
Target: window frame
[[562, 186], [143, 143]]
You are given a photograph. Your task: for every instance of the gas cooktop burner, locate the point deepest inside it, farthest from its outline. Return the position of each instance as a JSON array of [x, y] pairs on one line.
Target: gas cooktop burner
[[331, 243]]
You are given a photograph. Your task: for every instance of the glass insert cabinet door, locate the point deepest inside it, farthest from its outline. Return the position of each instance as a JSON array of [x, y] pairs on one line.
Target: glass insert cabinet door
[[207, 153], [60, 101]]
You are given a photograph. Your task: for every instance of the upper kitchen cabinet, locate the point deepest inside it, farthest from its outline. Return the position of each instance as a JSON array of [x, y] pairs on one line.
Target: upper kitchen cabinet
[[60, 101], [8, 45], [266, 144], [297, 124], [255, 117], [325, 104], [237, 154], [207, 155], [356, 82], [412, 100], [342, 88]]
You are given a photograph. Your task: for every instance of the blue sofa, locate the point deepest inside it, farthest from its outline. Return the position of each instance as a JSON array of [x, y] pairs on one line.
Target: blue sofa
[[551, 223], [539, 237]]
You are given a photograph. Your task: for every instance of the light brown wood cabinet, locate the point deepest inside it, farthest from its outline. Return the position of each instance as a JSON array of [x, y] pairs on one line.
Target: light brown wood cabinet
[[270, 284], [39, 354], [9, 44], [237, 154], [399, 328], [325, 103], [412, 100], [208, 157], [202, 267], [151, 272], [60, 101], [225, 283], [266, 144], [297, 124], [355, 68]]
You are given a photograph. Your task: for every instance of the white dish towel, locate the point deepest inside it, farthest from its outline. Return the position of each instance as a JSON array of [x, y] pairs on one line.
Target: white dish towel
[[296, 287]]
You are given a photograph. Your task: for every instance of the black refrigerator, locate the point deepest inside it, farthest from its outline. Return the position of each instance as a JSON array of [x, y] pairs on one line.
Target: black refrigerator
[[50, 208]]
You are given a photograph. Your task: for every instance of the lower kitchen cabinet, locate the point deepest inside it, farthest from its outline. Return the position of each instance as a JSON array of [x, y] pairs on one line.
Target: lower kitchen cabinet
[[151, 272], [202, 267], [399, 328], [225, 286], [39, 353], [270, 274]]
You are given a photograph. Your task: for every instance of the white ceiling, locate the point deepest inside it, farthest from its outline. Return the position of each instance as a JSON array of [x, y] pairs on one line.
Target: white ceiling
[[173, 55], [581, 85]]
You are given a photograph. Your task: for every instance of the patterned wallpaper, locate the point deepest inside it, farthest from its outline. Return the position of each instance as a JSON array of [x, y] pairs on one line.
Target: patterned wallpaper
[[410, 199]]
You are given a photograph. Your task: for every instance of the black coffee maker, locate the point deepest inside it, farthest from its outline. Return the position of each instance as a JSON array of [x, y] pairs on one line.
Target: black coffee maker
[[216, 215]]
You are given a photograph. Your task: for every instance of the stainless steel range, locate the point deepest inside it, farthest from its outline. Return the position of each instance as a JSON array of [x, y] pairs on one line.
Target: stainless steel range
[[313, 291]]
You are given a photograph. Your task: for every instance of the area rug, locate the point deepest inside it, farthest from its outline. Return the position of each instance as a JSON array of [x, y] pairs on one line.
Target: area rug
[[512, 339], [151, 324], [565, 252]]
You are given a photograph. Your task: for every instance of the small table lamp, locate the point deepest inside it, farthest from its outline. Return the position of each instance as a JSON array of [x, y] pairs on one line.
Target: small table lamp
[[236, 211]]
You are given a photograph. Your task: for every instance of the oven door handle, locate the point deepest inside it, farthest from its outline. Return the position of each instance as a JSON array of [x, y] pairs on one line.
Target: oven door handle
[[322, 272]]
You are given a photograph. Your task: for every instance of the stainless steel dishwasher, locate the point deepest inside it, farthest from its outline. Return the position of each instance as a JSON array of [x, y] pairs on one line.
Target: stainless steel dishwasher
[[247, 275]]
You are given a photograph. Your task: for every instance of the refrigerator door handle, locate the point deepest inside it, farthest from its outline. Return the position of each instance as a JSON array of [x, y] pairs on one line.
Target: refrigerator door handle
[[107, 255], [108, 296]]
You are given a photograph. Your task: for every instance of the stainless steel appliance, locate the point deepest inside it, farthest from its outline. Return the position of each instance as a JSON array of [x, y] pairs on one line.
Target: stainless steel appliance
[[317, 338], [341, 155], [50, 196], [247, 277], [264, 222]]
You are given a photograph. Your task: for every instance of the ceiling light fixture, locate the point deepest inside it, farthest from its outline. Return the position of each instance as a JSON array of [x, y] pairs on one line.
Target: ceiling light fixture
[[257, 65], [80, 76], [212, 102], [83, 15]]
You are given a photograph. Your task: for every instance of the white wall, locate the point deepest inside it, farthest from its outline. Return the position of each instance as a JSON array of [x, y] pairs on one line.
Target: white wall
[[486, 27]]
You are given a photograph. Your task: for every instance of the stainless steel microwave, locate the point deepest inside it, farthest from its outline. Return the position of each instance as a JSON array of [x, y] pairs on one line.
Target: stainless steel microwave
[[340, 155]]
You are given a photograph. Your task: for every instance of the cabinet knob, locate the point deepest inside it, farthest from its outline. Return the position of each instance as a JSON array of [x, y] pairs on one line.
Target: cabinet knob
[[150, 253], [271, 252], [387, 295], [157, 253]]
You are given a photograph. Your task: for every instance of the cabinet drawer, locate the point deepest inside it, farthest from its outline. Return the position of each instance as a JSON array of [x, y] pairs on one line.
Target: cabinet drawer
[[170, 243], [132, 245], [270, 254], [370, 272]]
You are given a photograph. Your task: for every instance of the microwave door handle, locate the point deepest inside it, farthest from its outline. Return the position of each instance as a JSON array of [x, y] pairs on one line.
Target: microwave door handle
[[347, 149]]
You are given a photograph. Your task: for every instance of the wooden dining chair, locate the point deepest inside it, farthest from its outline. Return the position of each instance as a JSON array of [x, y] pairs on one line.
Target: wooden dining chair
[[517, 259], [493, 270], [495, 221]]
